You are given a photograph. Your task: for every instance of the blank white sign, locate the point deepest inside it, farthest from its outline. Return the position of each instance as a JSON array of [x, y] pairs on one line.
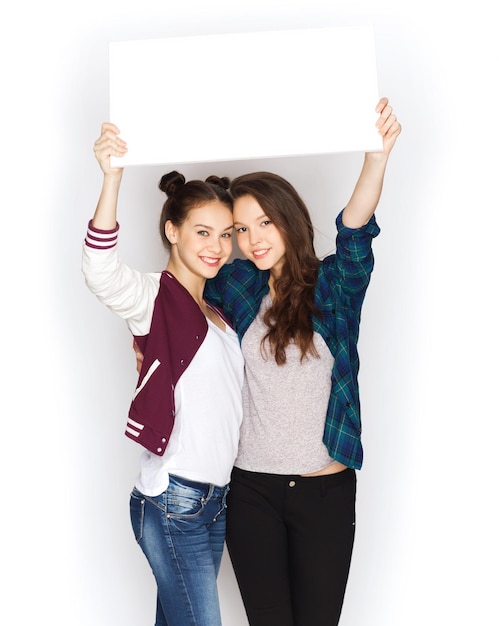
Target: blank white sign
[[245, 95]]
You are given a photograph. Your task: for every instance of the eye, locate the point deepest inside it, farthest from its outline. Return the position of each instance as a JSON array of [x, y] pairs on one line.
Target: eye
[[227, 235], [266, 222], [241, 229], [203, 233]]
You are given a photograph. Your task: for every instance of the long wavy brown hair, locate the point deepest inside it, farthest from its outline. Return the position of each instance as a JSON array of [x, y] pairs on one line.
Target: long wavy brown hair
[[290, 317]]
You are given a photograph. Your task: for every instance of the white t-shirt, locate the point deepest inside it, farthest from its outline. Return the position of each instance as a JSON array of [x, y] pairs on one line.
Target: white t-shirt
[[203, 444]]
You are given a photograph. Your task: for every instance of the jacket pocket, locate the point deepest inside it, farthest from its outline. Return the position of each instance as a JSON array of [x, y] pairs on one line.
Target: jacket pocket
[[153, 367]]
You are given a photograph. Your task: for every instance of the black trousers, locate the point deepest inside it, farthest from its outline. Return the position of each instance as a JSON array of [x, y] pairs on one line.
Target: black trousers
[[290, 540]]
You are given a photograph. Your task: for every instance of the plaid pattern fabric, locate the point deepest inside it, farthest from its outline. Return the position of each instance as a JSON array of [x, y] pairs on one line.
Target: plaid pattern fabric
[[342, 282]]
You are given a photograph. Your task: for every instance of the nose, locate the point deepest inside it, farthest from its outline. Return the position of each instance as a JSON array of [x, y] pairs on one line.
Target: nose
[[254, 237], [215, 245]]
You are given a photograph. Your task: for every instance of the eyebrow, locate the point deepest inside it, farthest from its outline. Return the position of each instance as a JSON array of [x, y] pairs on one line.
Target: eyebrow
[[211, 227], [262, 216]]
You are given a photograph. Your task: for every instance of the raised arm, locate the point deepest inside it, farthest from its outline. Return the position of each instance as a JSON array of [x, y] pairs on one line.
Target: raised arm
[[107, 145], [367, 191]]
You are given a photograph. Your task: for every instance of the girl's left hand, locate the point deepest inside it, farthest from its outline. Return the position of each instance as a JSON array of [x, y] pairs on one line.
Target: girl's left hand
[[388, 125]]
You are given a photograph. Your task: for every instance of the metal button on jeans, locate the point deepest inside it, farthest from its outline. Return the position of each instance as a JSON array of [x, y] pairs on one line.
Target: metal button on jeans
[[292, 483]]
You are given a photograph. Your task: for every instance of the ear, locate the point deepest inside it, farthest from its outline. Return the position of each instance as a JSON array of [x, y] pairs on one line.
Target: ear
[[171, 232]]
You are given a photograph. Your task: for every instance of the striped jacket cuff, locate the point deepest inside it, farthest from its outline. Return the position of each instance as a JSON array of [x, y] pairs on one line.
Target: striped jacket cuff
[[101, 239]]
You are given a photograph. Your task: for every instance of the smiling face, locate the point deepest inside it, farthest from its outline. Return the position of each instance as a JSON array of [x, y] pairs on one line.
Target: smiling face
[[203, 242], [258, 238]]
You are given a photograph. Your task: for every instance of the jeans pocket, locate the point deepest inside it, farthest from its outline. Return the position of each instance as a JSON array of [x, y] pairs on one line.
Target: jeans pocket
[[137, 505], [184, 501], [349, 492]]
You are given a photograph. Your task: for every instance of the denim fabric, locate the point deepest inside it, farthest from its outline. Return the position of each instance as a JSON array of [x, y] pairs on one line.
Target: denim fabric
[[182, 534]]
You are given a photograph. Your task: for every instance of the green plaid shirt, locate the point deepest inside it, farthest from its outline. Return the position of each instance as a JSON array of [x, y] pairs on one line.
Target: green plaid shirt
[[341, 286]]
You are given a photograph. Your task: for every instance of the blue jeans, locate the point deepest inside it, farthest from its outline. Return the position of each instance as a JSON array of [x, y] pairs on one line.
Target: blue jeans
[[182, 534]]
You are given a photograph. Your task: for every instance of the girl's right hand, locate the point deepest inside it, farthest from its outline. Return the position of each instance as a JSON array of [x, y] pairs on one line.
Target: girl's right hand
[[107, 145], [139, 357]]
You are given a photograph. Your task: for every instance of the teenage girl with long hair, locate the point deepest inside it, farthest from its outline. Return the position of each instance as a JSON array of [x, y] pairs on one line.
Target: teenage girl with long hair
[[291, 508]]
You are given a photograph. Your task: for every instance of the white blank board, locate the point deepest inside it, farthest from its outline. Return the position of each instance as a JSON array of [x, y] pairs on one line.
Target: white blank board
[[244, 95]]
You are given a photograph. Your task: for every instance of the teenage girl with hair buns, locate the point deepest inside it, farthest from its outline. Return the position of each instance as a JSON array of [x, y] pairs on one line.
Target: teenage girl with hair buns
[[187, 408]]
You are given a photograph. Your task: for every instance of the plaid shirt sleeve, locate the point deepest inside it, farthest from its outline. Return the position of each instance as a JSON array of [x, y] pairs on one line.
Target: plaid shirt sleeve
[[238, 289], [342, 284], [355, 259]]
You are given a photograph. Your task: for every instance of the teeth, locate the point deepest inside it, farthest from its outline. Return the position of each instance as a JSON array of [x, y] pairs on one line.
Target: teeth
[[259, 252], [209, 260]]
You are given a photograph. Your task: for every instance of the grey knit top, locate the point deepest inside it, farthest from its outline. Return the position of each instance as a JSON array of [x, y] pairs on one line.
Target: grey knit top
[[284, 406]]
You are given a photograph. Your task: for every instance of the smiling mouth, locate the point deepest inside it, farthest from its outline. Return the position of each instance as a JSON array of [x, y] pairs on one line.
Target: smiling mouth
[[210, 260], [260, 253]]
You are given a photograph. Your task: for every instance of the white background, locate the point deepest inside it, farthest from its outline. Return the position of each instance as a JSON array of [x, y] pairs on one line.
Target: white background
[[426, 550]]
